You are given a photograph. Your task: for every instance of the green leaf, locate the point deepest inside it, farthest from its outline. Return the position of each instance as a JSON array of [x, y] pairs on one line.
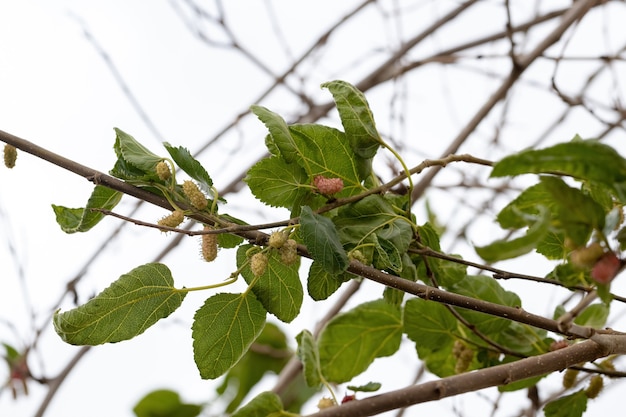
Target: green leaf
[[583, 159], [357, 224], [325, 151], [279, 288], [388, 256], [593, 316], [577, 213], [503, 249], [266, 404], [524, 209], [271, 355], [573, 405], [429, 324], [277, 183], [83, 219], [134, 152], [525, 339], [321, 239], [190, 165], [553, 246], [518, 385], [322, 284], [279, 131], [352, 340], [369, 387], [487, 289], [12, 355], [309, 356], [569, 275], [433, 329], [223, 329], [447, 273], [165, 403], [356, 117], [124, 310]]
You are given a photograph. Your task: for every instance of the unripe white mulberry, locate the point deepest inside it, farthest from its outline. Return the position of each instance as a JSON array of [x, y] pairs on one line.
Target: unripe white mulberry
[[463, 355], [195, 196], [258, 263], [357, 255], [163, 170], [173, 219], [325, 402], [278, 239], [209, 246], [289, 252]]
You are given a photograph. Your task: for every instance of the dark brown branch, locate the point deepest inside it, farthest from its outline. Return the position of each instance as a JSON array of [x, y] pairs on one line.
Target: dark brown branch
[[420, 290], [480, 379]]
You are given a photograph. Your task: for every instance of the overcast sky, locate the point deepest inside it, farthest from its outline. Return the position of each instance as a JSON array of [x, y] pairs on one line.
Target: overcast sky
[[64, 67]]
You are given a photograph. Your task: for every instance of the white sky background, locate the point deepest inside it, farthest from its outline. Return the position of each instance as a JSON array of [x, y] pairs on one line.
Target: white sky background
[[57, 91]]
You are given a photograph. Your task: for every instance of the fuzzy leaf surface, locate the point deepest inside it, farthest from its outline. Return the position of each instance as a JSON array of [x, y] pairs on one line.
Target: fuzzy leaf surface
[[352, 340], [279, 288], [122, 311], [223, 329], [74, 220], [321, 239]]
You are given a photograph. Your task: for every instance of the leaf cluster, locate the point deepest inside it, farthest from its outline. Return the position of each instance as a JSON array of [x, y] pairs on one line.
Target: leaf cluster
[[577, 200]]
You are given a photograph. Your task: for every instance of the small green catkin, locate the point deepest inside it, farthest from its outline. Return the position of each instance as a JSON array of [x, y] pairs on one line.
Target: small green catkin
[[596, 383], [569, 378], [195, 196], [10, 155], [209, 246]]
